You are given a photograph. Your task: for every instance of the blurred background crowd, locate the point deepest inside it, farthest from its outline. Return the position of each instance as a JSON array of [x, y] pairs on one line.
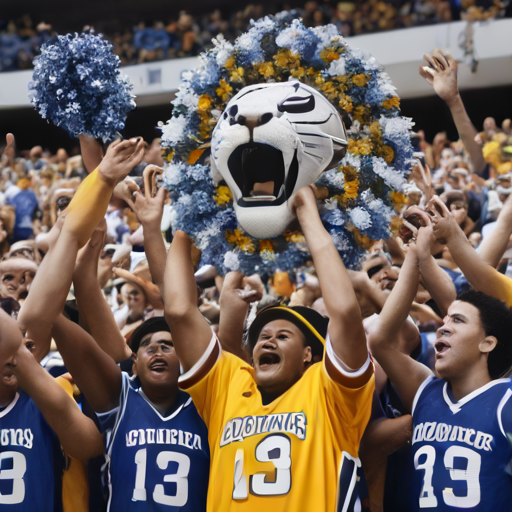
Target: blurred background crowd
[[187, 35]]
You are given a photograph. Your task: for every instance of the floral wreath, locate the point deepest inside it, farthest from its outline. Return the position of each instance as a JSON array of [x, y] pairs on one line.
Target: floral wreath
[[360, 196], [77, 84]]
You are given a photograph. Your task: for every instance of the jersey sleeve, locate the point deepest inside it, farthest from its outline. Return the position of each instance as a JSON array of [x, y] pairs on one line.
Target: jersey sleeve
[[108, 420], [348, 395], [207, 382], [504, 285]]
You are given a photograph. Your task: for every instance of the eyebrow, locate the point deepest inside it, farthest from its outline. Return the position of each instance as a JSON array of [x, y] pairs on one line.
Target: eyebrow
[[459, 315], [283, 329]]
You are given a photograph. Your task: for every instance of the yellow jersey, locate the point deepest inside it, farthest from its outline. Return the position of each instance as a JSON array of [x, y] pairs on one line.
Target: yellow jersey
[[298, 453]]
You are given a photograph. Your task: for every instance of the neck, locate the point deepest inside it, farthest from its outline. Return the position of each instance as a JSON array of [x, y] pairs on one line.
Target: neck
[[162, 400], [469, 382], [6, 396]]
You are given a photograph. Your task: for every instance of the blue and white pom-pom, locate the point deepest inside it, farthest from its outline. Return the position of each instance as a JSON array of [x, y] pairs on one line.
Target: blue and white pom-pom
[[77, 85]]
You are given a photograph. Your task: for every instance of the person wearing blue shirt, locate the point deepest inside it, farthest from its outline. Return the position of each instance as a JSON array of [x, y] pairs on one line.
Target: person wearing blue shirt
[[462, 419]]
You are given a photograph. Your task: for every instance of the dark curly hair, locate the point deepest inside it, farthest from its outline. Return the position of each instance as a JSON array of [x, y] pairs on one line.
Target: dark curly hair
[[496, 318]]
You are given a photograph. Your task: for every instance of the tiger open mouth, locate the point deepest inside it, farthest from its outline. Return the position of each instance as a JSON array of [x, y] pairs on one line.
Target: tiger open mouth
[[259, 172]]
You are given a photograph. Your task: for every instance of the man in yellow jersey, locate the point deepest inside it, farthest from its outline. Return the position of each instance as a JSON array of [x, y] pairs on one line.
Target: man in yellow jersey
[[284, 433]]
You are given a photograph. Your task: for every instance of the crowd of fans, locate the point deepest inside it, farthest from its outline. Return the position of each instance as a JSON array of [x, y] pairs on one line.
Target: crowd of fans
[[188, 35], [472, 177]]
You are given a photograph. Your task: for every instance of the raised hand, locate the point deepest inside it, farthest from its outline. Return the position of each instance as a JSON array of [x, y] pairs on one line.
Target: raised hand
[[445, 224], [149, 210], [441, 74], [121, 157], [9, 151]]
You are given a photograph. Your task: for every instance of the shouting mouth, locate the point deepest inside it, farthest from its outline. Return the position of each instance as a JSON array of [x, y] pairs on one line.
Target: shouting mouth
[[158, 366], [441, 347], [259, 172], [269, 359]]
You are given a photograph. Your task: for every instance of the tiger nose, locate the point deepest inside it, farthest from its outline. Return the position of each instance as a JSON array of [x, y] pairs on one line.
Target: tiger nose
[[252, 121]]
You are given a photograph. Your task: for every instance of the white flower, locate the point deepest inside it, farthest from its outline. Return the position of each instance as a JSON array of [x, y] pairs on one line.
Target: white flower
[[186, 96], [337, 67], [265, 24], [396, 126], [391, 176], [172, 132], [97, 83], [331, 203], [361, 218], [247, 42], [352, 160], [52, 79], [187, 75], [267, 255], [231, 261], [59, 92], [385, 84], [172, 173], [326, 35], [340, 242], [185, 199]]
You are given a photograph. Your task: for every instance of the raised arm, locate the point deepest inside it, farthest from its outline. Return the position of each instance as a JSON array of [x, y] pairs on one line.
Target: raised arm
[[441, 73], [405, 373], [92, 305], [149, 211], [190, 332], [236, 295], [437, 282], [480, 275], [77, 433], [494, 245], [92, 152], [10, 337], [93, 370], [49, 290], [346, 330]]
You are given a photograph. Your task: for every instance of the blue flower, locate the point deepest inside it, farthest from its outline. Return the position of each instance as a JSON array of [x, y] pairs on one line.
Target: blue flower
[[192, 188]]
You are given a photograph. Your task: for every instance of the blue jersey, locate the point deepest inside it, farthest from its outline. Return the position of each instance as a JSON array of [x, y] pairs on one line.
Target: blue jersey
[[461, 451], [155, 463], [31, 459]]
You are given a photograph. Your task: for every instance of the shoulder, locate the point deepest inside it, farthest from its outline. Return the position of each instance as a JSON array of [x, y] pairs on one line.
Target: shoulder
[[214, 362], [430, 384]]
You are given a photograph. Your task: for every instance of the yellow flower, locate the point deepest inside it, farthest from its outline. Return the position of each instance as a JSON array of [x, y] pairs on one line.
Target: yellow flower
[[395, 225], [319, 79], [205, 102], [346, 103], [237, 74], [223, 195], [224, 90], [266, 245], [281, 58], [230, 63], [312, 73], [298, 73], [286, 59], [399, 200], [265, 69], [170, 156], [360, 147], [351, 188], [360, 80], [294, 236], [361, 112], [240, 240], [329, 55], [361, 239], [388, 154], [391, 102]]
